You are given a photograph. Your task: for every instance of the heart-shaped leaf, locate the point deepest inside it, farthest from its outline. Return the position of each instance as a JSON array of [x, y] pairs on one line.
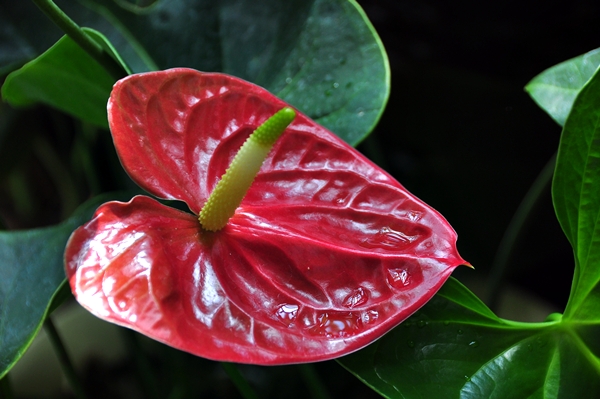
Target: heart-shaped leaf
[[325, 253], [455, 347], [323, 56], [576, 195], [555, 89], [64, 77], [31, 266]]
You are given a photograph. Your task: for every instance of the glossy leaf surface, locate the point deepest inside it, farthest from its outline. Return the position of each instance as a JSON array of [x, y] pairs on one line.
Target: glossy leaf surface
[[64, 77], [455, 347], [576, 195], [322, 56], [326, 252], [555, 89], [31, 266]]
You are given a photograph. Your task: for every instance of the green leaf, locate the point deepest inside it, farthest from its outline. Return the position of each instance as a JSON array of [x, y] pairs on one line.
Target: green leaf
[[322, 56], [455, 347], [576, 196], [31, 266], [64, 77], [555, 89]]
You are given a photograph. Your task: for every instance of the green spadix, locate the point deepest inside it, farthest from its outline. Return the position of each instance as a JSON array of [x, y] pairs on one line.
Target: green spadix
[[231, 189]]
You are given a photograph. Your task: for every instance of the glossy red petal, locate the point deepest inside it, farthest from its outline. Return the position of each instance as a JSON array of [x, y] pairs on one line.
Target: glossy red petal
[[176, 131], [325, 254], [242, 297]]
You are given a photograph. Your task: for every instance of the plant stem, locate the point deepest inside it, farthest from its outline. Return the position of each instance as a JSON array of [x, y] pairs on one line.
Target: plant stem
[[314, 383], [64, 360], [514, 231], [5, 388], [73, 30], [238, 379]]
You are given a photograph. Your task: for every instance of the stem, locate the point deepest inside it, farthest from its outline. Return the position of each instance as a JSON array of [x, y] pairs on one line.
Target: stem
[[315, 385], [64, 360], [238, 379], [515, 230], [5, 388], [73, 30]]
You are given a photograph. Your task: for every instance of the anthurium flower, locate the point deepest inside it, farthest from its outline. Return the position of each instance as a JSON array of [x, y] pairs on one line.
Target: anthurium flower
[[325, 253]]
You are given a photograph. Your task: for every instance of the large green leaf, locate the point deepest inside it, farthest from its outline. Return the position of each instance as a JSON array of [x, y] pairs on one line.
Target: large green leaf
[[322, 56], [455, 347], [576, 195], [31, 266], [65, 77], [555, 89]]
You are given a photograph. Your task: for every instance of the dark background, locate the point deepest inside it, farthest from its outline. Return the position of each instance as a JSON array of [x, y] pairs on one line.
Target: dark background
[[462, 134]]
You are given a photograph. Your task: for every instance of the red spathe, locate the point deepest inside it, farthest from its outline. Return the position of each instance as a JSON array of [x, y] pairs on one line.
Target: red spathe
[[325, 254]]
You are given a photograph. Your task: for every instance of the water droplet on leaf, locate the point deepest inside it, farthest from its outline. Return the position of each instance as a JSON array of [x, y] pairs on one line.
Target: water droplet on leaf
[[415, 216], [388, 238], [370, 316], [288, 80], [337, 325], [473, 344], [398, 278], [411, 344], [356, 298], [287, 313]]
